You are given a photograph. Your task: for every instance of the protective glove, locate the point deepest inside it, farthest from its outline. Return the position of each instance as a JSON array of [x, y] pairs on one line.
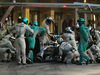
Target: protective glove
[[53, 38], [31, 35]]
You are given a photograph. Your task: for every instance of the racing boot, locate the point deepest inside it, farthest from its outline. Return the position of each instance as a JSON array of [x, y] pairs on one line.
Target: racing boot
[[89, 61], [24, 63]]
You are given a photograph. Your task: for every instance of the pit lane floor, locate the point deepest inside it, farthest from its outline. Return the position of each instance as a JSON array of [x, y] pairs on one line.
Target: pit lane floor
[[50, 68]]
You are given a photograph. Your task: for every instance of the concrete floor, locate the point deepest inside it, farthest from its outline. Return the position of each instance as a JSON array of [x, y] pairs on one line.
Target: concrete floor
[[48, 69]]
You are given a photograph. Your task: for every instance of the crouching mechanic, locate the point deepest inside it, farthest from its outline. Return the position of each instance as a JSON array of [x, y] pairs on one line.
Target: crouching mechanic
[[95, 48], [67, 50], [6, 48], [69, 36], [20, 29], [31, 39]]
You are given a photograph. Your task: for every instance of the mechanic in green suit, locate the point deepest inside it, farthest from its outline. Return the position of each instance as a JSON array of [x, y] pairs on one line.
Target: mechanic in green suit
[[31, 39], [84, 32]]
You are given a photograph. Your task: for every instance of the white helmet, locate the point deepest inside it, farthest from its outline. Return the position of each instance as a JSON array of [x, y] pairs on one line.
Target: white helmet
[[68, 29], [59, 40], [50, 19]]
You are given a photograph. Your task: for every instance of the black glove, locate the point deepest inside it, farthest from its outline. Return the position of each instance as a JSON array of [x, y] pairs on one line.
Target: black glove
[[31, 35], [53, 38]]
